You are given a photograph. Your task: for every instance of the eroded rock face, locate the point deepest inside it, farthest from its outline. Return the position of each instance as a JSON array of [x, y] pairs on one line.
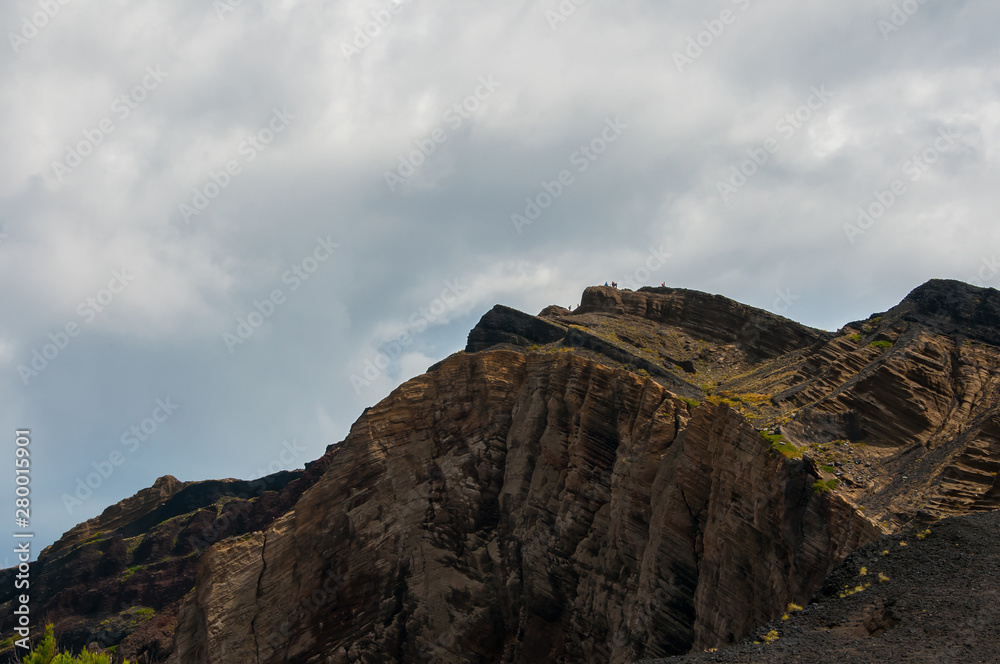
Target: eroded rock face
[[585, 486], [922, 595], [118, 579], [512, 508], [758, 333]]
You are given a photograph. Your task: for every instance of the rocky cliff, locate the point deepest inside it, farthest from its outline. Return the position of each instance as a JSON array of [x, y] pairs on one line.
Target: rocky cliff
[[513, 508], [925, 595], [656, 472]]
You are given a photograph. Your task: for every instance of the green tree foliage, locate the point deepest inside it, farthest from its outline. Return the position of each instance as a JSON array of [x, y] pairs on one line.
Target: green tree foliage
[[45, 653]]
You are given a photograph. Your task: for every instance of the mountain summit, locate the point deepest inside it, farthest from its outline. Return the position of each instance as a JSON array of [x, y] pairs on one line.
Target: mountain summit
[[657, 472]]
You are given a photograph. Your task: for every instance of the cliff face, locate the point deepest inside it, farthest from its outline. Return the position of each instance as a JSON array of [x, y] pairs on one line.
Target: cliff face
[[759, 334], [925, 595], [585, 486], [902, 409], [512, 508], [118, 579]]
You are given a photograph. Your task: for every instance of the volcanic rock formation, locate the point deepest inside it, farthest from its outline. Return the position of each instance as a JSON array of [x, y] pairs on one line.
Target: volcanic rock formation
[[653, 473]]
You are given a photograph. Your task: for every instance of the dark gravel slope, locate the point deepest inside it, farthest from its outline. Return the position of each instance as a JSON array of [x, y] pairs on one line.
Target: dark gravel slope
[[941, 603]]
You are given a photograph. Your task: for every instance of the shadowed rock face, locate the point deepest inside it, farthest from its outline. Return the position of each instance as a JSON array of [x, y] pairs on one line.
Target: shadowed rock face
[[956, 308], [931, 601], [585, 486], [760, 334], [503, 325], [118, 578], [506, 508]]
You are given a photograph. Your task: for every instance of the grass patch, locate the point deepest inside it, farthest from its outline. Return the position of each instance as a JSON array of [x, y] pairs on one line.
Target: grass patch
[[828, 469], [820, 486], [47, 653], [881, 344], [779, 444], [693, 403]]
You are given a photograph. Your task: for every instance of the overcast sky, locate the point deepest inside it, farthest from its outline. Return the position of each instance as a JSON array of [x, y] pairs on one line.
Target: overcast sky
[[356, 170]]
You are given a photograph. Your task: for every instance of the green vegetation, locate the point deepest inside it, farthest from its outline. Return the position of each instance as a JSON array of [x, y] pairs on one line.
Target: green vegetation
[[45, 653], [855, 337], [856, 589], [129, 619], [790, 609], [829, 485], [693, 403], [716, 399], [881, 344], [828, 469], [778, 443]]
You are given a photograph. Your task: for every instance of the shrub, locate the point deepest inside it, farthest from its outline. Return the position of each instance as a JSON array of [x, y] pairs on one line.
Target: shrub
[[881, 344], [45, 653], [778, 444], [771, 636], [693, 403], [820, 486]]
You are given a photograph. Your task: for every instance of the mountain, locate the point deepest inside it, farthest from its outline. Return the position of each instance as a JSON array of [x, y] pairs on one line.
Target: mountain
[[925, 595], [657, 472]]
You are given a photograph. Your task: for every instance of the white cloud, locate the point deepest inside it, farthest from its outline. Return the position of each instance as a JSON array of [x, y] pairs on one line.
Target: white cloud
[[325, 176]]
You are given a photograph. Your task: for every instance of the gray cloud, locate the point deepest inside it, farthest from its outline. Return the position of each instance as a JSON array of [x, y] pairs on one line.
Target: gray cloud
[[779, 242]]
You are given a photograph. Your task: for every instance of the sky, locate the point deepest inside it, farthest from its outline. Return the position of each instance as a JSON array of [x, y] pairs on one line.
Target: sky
[[227, 227]]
